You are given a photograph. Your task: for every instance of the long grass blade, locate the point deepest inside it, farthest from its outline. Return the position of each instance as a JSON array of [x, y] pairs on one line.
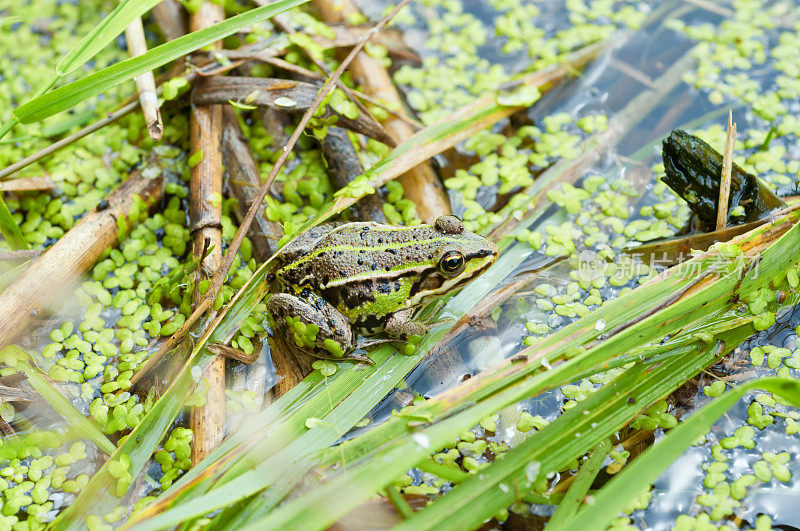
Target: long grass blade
[[68, 96], [103, 33]]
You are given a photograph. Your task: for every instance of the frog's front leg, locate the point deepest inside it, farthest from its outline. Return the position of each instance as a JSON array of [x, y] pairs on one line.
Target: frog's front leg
[[400, 325], [312, 325]]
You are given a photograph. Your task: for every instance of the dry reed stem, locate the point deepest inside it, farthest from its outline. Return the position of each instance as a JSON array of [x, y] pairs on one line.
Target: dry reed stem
[[170, 18], [344, 166], [205, 223], [50, 277], [282, 94], [421, 185], [145, 83], [725, 180], [244, 181]]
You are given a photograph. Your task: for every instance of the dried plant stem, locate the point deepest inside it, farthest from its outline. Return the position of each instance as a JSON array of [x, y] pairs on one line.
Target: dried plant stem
[[421, 184], [145, 83], [244, 181], [725, 180], [233, 248], [344, 166], [310, 74], [205, 218], [48, 278], [170, 18]]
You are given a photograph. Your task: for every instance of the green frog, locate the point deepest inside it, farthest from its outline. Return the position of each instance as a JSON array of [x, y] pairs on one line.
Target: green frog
[[338, 281]]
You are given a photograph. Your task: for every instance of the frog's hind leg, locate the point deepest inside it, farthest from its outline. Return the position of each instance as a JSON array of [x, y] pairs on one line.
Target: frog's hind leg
[[311, 325]]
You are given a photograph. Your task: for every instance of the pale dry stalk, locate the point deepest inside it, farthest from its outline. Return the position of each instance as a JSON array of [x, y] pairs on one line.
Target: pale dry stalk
[[725, 179], [205, 222], [421, 185], [145, 83]]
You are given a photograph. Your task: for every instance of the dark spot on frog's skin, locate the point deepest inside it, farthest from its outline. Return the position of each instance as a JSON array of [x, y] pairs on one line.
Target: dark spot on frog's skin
[[430, 257], [338, 253], [305, 293], [383, 287], [363, 251], [380, 240], [325, 279], [360, 261], [374, 266], [102, 205], [391, 251], [342, 273]]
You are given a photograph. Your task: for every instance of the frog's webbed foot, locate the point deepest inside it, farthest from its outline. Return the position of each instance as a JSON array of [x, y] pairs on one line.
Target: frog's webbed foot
[[311, 325]]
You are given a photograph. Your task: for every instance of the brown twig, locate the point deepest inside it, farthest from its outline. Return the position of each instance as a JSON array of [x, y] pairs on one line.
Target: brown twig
[[282, 94], [228, 352], [244, 180], [725, 179], [170, 18], [310, 74], [49, 277], [233, 248], [74, 137], [279, 21], [205, 222], [145, 83], [421, 185], [344, 166]]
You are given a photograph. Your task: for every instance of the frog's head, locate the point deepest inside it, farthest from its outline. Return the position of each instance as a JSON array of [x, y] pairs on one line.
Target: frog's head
[[456, 257]]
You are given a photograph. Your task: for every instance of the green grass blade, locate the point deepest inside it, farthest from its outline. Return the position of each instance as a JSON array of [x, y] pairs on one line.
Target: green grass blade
[[103, 33], [580, 486], [68, 96], [10, 230], [637, 476]]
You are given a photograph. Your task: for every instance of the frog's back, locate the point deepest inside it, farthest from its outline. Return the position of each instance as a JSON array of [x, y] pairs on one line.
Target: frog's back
[[339, 253]]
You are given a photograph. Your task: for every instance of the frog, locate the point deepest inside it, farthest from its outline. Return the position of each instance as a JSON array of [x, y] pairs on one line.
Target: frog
[[338, 281]]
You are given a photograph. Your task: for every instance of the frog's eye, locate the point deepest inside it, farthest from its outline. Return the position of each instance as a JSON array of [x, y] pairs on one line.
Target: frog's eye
[[452, 263]]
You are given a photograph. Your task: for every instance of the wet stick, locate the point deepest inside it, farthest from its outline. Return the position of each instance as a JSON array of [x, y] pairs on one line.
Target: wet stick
[[145, 83], [205, 219], [344, 166], [421, 185], [51, 276], [244, 180], [725, 181]]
